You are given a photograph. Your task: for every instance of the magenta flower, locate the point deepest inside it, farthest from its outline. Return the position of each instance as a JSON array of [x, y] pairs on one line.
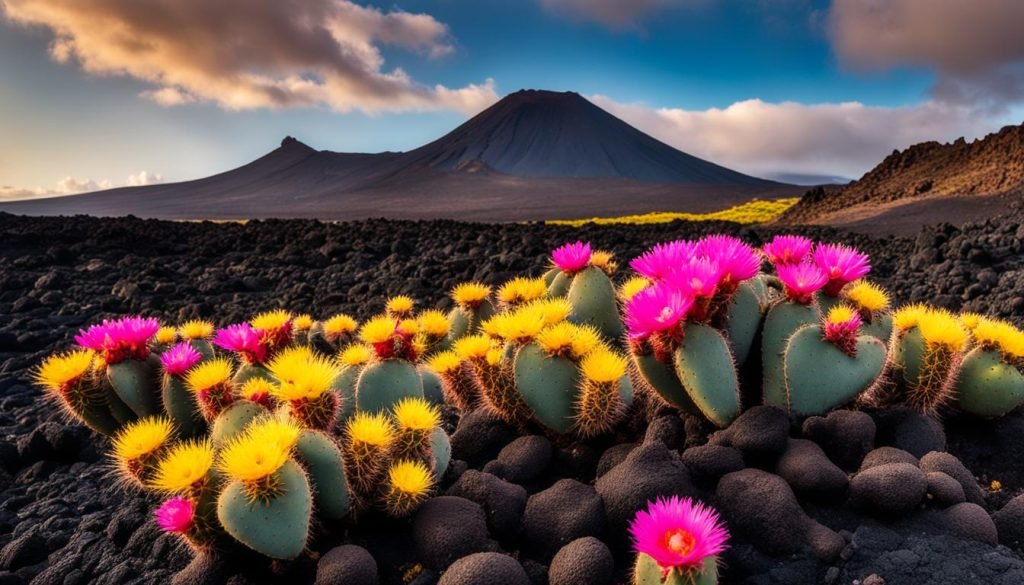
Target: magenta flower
[[655, 309], [787, 249], [801, 280], [679, 534], [175, 515], [243, 340], [125, 338], [698, 278], [664, 258], [180, 358], [738, 261], [571, 258], [842, 264]]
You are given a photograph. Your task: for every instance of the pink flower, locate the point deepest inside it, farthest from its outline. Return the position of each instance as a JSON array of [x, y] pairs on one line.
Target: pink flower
[[655, 309], [840, 328], [571, 258], [679, 534], [801, 280], [697, 278], [243, 340], [175, 515], [125, 338], [787, 249], [842, 264], [737, 260], [180, 358], [663, 258]]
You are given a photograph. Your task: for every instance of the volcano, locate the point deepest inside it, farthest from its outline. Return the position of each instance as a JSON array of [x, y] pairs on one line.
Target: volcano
[[533, 155]]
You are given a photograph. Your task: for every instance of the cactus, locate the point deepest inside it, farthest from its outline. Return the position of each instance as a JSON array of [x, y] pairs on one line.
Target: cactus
[[441, 451], [743, 321], [873, 303], [352, 359], [592, 296], [368, 440], [267, 502], [707, 369], [337, 331], [548, 386], [382, 384], [990, 382], [473, 306], [322, 460], [67, 377], [197, 334], [936, 366], [492, 377], [829, 365], [604, 393], [677, 542], [233, 421], [178, 402], [305, 384], [456, 381], [663, 380], [415, 421], [212, 385], [132, 380], [647, 572], [408, 485], [139, 446], [781, 322]]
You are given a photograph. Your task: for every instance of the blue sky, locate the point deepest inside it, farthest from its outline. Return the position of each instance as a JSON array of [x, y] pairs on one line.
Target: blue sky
[[181, 89]]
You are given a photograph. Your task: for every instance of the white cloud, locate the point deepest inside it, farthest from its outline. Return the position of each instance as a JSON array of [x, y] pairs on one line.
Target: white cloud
[[143, 178], [244, 54], [72, 186], [764, 138]]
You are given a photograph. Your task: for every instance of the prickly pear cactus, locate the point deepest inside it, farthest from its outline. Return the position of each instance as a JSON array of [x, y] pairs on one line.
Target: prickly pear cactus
[[276, 525], [706, 367]]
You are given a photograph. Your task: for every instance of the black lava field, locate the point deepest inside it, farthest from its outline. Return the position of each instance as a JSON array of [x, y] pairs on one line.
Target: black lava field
[[64, 519]]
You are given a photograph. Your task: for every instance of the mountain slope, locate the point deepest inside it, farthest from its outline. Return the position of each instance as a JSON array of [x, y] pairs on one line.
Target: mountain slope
[[533, 155]]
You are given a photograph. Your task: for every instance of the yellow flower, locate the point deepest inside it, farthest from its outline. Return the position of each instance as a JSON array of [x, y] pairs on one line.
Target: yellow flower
[[257, 386], [271, 320], [433, 323], [260, 450], [166, 335], [445, 362], [356, 354], [840, 314], [209, 374], [142, 437], [942, 328], [302, 374], [868, 296], [58, 370], [408, 327], [552, 311], [195, 329], [604, 260], [184, 465], [302, 323], [416, 414], [557, 338], [494, 356], [603, 365], [400, 305], [1009, 339], [908, 317], [371, 429], [378, 330], [971, 320], [521, 289], [631, 287], [410, 477], [586, 339], [339, 324], [470, 294], [519, 325], [472, 346]]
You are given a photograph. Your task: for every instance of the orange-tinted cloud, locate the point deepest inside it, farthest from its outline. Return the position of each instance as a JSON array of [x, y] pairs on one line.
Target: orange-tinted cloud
[[243, 54]]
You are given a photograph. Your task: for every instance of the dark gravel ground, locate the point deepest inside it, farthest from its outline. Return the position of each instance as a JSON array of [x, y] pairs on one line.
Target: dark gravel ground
[[905, 516]]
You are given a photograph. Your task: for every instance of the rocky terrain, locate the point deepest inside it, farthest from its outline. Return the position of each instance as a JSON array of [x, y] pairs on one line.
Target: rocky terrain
[[921, 507]]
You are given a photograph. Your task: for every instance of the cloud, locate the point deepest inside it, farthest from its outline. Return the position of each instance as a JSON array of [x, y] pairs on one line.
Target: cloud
[[762, 138], [71, 186], [975, 47], [617, 15], [244, 54]]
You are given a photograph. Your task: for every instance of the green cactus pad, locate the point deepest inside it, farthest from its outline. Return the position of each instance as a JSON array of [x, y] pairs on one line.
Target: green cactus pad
[[277, 528], [133, 382], [592, 296], [880, 327], [233, 420], [550, 275], [559, 285], [118, 409], [248, 371], [706, 368], [204, 348], [458, 324], [180, 405], [780, 324], [548, 386], [322, 460], [820, 377], [663, 379], [987, 385], [743, 321], [382, 384], [441, 448], [908, 354], [648, 572], [431, 385], [345, 386], [98, 418], [626, 391], [759, 285], [826, 303]]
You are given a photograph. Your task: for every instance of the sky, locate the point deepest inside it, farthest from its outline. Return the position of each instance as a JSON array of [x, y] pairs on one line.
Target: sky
[[102, 93]]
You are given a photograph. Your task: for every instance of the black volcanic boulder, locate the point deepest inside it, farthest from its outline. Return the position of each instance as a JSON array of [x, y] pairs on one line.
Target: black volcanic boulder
[[913, 432], [1010, 522], [668, 429], [885, 455], [810, 472], [612, 456], [846, 436], [951, 466], [707, 463], [650, 471], [943, 490], [760, 508], [447, 528], [485, 568], [760, 433], [479, 437], [502, 502], [560, 514], [349, 564], [522, 460], [892, 489], [971, 521], [585, 560]]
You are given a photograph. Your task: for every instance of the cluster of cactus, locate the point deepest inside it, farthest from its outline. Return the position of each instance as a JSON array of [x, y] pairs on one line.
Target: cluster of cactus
[[254, 431], [542, 350]]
